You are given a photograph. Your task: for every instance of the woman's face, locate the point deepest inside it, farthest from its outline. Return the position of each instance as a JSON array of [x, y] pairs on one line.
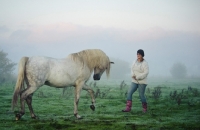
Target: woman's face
[[139, 56]]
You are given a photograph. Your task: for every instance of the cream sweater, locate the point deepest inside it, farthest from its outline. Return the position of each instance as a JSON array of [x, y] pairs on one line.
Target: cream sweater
[[140, 70]]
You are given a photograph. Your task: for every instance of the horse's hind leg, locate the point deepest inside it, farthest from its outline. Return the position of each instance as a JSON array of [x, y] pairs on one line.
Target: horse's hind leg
[[85, 87], [22, 112], [29, 102], [23, 96]]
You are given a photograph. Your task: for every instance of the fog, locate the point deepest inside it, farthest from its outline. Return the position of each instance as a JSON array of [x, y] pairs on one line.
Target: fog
[[167, 35]]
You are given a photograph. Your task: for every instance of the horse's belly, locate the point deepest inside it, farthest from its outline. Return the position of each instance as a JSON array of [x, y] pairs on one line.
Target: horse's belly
[[61, 77], [57, 85], [60, 81]]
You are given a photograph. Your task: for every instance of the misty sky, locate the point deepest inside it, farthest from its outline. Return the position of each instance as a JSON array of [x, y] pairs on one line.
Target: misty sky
[[168, 31]]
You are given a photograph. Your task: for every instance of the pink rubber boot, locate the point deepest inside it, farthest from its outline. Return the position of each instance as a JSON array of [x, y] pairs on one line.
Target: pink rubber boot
[[144, 105], [128, 106]]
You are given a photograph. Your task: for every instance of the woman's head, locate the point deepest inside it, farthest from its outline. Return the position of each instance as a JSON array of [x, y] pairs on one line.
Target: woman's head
[[140, 54]]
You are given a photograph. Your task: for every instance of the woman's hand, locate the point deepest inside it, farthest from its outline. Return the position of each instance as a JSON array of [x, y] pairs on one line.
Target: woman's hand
[[134, 77]]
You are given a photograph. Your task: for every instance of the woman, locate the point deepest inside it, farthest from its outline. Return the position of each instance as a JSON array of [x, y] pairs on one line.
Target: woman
[[139, 72]]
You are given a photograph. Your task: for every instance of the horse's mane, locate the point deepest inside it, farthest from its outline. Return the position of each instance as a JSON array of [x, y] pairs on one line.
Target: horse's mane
[[93, 58]]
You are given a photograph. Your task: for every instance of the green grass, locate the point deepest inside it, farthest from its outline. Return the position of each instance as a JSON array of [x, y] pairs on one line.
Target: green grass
[[56, 111]]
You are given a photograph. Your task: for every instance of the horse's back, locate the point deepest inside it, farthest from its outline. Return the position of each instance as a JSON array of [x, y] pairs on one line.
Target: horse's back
[[53, 72], [63, 72]]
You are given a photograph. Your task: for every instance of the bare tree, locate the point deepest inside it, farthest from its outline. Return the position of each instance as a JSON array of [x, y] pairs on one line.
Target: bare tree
[[6, 67], [178, 70]]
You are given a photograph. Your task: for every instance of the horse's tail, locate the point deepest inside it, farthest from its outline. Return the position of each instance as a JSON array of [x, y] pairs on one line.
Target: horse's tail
[[20, 80]]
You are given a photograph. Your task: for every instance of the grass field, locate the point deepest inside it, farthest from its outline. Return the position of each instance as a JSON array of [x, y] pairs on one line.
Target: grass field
[[171, 105]]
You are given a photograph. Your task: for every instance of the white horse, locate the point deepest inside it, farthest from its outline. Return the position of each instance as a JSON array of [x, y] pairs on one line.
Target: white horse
[[75, 70]]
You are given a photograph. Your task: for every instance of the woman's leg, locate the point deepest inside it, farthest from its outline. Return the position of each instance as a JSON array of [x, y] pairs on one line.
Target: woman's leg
[[131, 90], [141, 89]]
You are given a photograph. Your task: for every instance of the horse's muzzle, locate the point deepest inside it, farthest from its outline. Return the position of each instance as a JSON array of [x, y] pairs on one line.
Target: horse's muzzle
[[96, 77]]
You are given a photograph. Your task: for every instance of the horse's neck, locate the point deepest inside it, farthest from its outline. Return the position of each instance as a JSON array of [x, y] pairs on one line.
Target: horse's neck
[[90, 61]]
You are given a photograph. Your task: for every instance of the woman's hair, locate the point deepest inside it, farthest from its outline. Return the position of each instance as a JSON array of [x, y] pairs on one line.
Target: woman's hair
[[141, 52]]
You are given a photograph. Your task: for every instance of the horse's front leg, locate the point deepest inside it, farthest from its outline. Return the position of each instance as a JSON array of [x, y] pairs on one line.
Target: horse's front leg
[[87, 88], [78, 89]]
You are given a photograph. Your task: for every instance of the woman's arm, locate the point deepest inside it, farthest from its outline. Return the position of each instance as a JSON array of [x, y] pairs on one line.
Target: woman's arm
[[144, 74], [132, 72]]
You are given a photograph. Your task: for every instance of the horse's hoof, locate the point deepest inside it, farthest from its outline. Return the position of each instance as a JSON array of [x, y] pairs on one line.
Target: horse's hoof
[[17, 116], [78, 117], [34, 117], [92, 107]]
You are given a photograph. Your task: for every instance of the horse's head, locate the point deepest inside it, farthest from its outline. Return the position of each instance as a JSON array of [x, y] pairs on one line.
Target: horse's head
[[98, 71]]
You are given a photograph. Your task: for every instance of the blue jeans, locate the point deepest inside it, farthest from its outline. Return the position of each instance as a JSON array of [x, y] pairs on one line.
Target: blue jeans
[[133, 88]]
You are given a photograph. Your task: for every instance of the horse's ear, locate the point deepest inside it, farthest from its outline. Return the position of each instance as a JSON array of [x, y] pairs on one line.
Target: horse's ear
[[112, 62]]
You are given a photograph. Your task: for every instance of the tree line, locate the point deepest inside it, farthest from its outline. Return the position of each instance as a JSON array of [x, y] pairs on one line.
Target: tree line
[[120, 70]]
